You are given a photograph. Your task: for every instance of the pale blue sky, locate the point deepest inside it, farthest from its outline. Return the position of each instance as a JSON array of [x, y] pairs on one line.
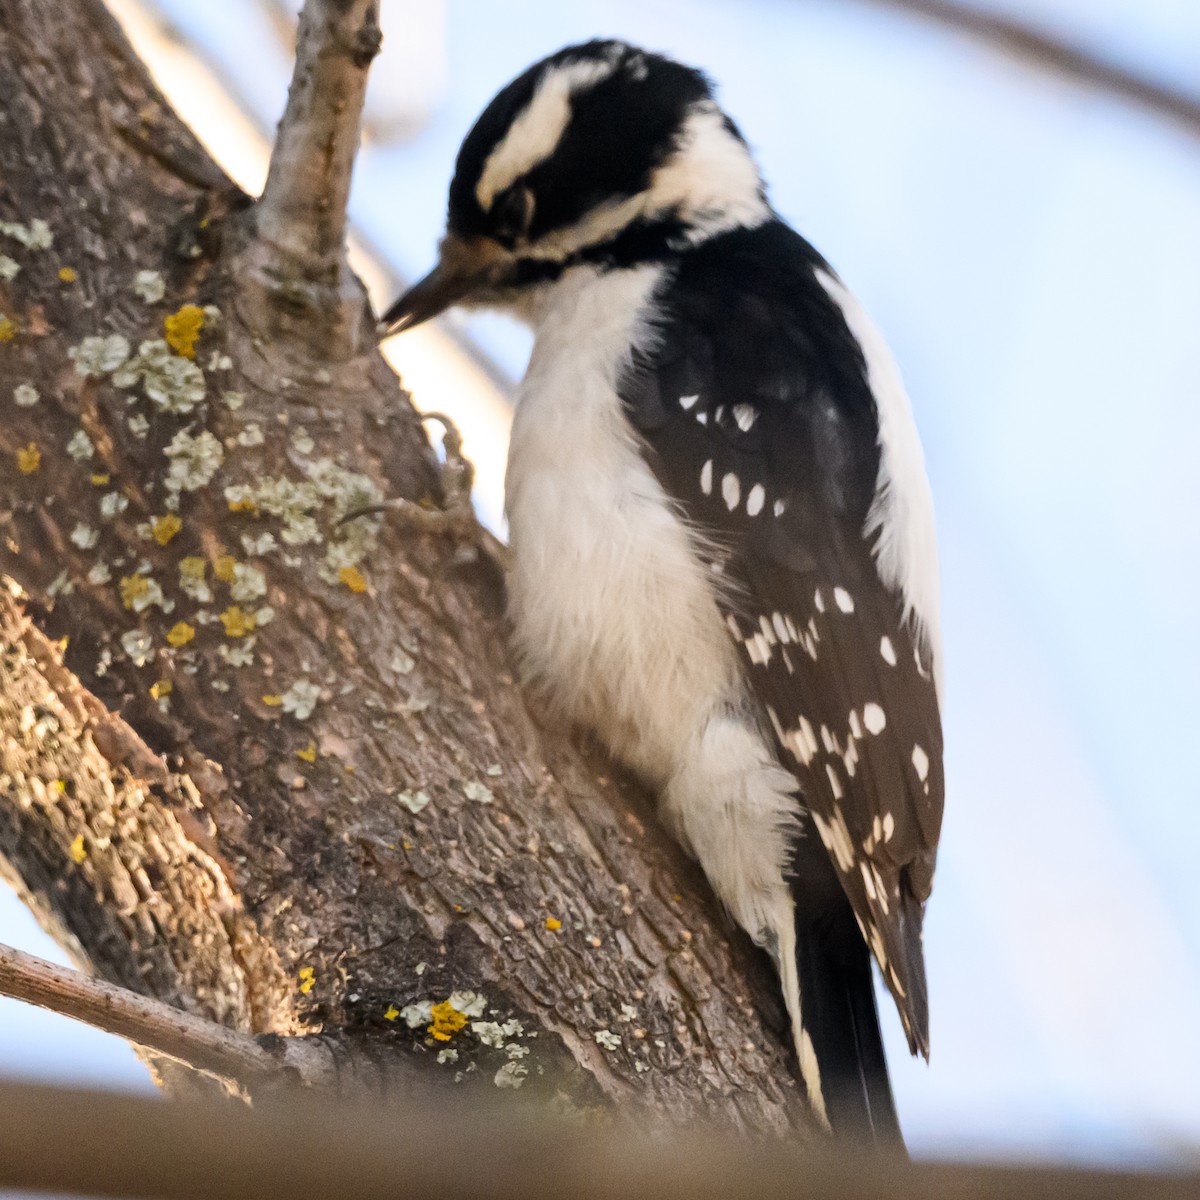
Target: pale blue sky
[[1031, 249]]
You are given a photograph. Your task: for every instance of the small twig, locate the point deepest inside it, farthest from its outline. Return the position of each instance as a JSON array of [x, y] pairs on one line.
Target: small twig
[[302, 213], [188, 1039]]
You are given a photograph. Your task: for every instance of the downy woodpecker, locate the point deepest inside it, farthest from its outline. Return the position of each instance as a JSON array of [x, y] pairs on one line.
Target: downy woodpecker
[[722, 534]]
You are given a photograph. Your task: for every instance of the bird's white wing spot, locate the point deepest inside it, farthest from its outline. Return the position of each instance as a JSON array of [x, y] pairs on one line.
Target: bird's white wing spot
[[755, 500], [920, 762], [778, 508], [887, 651], [843, 599], [706, 473], [686, 402], [889, 826], [731, 490], [819, 600], [702, 417], [874, 718], [745, 415]]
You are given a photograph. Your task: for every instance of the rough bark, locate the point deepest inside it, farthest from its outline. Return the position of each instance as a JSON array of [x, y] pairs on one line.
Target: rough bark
[[208, 847]]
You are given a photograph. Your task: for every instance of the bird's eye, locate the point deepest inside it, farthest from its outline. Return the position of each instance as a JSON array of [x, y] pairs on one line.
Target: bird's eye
[[512, 213]]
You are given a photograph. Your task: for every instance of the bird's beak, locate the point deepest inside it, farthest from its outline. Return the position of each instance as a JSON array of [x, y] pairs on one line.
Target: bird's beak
[[465, 270]]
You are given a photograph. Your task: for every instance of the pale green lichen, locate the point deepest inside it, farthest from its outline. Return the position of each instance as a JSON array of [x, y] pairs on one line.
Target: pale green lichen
[[418, 1014], [97, 356], [191, 579], [139, 426], [258, 544], [84, 536], [480, 793], [34, 236], [301, 698], [219, 362], [233, 400], [174, 384], [26, 395], [149, 286], [139, 646], [112, 503], [447, 1055], [413, 801], [470, 1004], [511, 1075], [61, 585], [252, 435], [100, 573], [608, 1040], [195, 459], [9, 268], [302, 441], [248, 583], [80, 446], [238, 654]]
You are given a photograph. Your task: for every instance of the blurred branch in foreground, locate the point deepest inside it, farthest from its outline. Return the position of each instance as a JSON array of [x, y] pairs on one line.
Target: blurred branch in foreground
[[89, 1143]]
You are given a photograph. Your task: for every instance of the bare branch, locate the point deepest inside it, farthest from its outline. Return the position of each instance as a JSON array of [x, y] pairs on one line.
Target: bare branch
[[302, 213], [188, 1039], [1022, 41]]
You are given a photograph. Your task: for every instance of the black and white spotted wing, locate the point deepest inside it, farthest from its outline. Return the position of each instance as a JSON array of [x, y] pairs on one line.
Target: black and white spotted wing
[[758, 421]]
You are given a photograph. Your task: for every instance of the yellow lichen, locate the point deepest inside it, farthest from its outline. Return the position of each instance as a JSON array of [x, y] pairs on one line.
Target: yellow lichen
[[183, 328], [244, 504], [392, 1013], [100, 480], [29, 458], [353, 578], [307, 979], [553, 924], [131, 587], [192, 568], [447, 1021], [237, 621], [181, 632], [223, 566], [309, 753], [78, 849], [272, 700], [164, 687], [8, 328], [68, 274], [165, 528]]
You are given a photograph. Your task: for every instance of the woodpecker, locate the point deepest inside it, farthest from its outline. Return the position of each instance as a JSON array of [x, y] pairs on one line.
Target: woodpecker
[[723, 553]]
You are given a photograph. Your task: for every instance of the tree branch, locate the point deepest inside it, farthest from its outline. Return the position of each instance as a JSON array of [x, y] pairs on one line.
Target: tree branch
[[191, 1040], [302, 213]]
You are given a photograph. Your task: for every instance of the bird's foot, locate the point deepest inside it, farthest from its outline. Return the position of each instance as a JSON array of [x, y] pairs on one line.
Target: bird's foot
[[455, 518]]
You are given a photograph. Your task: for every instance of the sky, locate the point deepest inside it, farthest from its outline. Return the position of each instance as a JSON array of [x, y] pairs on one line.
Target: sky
[[1030, 249]]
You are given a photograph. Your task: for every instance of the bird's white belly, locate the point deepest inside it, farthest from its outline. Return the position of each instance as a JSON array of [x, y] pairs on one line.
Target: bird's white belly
[[614, 614]]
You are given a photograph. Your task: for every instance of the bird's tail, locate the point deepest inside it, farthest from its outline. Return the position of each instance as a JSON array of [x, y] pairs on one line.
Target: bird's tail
[[837, 1034]]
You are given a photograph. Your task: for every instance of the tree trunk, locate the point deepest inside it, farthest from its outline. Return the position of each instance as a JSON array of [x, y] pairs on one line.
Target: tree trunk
[[295, 788]]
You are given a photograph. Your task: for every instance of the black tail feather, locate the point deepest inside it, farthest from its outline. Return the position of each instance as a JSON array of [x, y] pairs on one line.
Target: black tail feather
[[837, 1004]]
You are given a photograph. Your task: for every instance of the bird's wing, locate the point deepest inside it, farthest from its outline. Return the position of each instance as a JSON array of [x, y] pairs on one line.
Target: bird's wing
[[757, 418]]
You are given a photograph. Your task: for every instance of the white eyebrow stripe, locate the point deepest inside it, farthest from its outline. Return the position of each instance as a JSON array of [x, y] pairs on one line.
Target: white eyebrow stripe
[[535, 133]]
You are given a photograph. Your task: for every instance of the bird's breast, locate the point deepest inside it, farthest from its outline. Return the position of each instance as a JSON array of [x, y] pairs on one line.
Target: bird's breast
[[614, 612]]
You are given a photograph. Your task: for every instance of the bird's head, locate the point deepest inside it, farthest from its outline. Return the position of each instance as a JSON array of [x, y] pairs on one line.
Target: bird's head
[[601, 153]]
